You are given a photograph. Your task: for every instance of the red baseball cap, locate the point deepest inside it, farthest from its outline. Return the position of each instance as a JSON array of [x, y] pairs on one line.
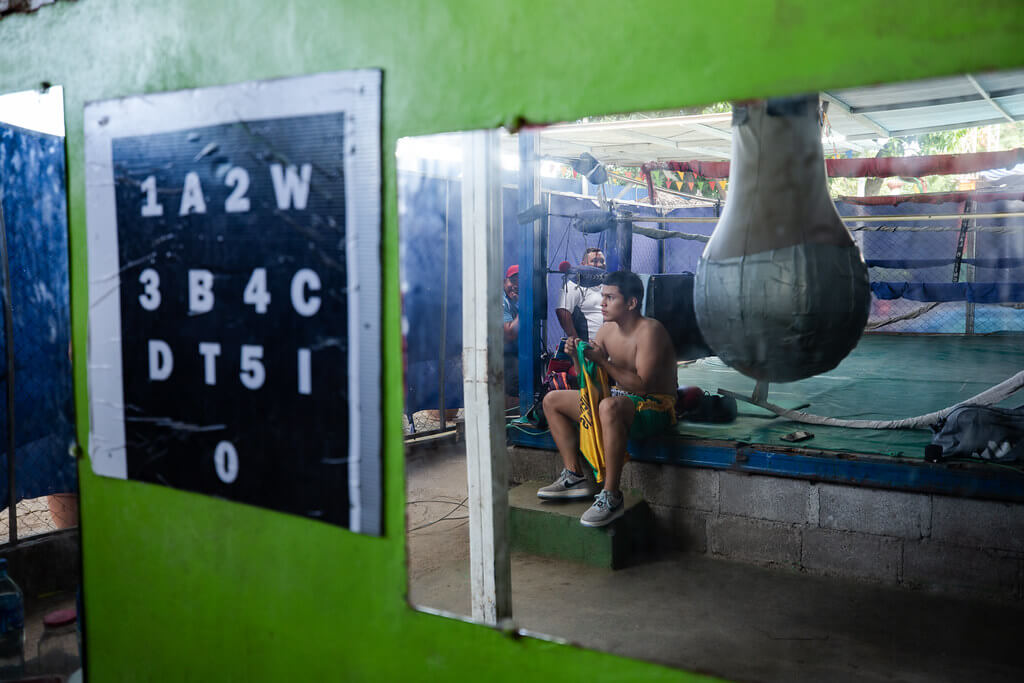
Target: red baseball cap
[[512, 270]]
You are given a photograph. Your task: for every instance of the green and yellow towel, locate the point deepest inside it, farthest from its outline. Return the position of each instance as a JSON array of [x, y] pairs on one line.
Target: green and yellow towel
[[594, 387]]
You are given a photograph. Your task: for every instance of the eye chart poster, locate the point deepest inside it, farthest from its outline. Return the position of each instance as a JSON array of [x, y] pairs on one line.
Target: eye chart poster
[[234, 293]]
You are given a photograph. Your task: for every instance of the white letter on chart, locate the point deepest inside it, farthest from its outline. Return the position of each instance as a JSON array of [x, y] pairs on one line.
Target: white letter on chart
[[150, 297], [161, 360], [252, 373], [305, 375], [225, 460], [303, 279], [192, 195], [200, 291], [152, 208], [256, 291], [237, 202], [209, 351], [288, 185]]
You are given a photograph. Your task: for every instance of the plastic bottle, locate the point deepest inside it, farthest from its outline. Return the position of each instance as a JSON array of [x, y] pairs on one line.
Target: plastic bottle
[[12, 625]]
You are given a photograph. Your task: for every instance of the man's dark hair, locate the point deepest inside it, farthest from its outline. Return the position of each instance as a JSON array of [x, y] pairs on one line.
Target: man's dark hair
[[629, 283], [591, 250]]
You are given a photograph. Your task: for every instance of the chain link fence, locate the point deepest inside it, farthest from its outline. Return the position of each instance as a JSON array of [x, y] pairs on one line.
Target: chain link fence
[[957, 275], [904, 315]]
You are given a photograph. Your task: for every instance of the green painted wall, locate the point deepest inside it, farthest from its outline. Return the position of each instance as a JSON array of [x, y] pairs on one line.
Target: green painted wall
[[182, 587]]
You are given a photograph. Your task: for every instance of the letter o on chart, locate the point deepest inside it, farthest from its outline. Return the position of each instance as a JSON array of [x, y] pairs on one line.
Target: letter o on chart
[[225, 460]]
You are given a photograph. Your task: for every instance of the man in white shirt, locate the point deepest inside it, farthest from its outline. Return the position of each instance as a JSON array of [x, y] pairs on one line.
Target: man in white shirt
[[587, 299]]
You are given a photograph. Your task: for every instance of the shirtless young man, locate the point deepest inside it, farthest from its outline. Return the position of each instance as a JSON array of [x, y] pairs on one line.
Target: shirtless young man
[[638, 355]]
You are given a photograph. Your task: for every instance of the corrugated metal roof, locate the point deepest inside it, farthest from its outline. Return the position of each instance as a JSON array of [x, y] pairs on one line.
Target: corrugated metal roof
[[857, 117], [637, 141], [897, 109]]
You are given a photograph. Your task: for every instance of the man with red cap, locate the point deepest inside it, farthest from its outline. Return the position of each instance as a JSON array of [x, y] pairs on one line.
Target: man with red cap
[[510, 325]]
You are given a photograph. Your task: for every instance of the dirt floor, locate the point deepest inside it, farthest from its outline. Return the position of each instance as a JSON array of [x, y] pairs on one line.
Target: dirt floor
[[60, 656], [436, 515], [727, 619]]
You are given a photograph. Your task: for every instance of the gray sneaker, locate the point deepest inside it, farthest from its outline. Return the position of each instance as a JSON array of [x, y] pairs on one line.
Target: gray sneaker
[[607, 508], [568, 486]]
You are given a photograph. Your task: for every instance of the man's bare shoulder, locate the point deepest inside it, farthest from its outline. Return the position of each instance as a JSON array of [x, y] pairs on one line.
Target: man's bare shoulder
[[656, 338], [650, 327]]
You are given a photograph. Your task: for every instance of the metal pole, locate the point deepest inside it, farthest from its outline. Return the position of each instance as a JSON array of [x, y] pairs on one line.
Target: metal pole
[[662, 249], [624, 242], [487, 466], [442, 409], [850, 219], [12, 515], [531, 269], [540, 263], [969, 271], [958, 258]]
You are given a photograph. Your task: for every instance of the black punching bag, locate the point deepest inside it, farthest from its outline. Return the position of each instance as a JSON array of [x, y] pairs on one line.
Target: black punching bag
[[782, 291]]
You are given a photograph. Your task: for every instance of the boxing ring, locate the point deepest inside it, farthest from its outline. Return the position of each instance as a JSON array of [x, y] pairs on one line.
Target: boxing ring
[[946, 324], [887, 376]]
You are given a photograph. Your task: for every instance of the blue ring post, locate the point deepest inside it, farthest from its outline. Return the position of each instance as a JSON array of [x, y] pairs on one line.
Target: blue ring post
[[529, 275]]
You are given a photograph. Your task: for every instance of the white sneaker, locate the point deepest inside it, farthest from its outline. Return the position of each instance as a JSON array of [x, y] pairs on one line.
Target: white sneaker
[[606, 509], [568, 486]]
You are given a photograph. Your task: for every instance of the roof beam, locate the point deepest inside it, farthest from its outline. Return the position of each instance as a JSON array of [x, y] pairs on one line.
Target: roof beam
[[988, 98], [851, 144], [711, 130], [671, 144], [918, 104], [866, 120], [634, 124], [928, 129], [646, 137]]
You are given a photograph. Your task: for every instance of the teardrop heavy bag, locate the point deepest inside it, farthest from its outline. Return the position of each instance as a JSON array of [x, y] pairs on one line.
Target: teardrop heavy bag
[[782, 291]]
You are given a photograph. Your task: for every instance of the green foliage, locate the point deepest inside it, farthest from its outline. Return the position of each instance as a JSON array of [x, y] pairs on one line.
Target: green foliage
[[937, 142], [958, 141], [942, 141], [843, 187]]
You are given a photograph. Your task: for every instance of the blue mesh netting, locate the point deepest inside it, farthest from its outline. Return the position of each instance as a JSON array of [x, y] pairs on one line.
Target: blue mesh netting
[[912, 272], [647, 253], [682, 255], [430, 207], [32, 172], [430, 223], [1006, 245]]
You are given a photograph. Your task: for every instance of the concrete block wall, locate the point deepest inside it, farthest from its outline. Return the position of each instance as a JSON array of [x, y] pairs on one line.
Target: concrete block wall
[[914, 540]]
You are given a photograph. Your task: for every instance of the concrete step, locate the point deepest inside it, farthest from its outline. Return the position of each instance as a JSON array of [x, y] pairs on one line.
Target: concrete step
[[553, 529]]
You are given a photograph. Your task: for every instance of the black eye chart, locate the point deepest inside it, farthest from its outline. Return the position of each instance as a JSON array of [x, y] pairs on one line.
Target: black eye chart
[[234, 293]]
